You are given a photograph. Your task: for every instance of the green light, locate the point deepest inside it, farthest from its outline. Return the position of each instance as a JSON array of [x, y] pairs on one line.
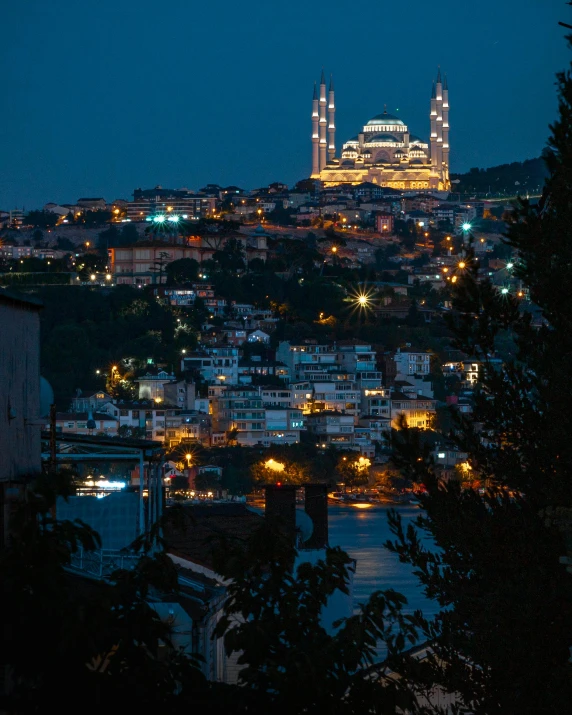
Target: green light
[[466, 227], [504, 291], [159, 219], [509, 265], [174, 219]]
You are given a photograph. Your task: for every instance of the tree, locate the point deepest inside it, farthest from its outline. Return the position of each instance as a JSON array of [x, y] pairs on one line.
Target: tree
[[502, 638], [184, 270], [41, 219], [231, 257], [290, 663], [64, 244], [159, 265]]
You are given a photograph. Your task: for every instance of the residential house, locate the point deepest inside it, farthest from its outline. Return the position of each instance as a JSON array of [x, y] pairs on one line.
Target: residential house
[[409, 362], [240, 409], [257, 367], [94, 423], [321, 396], [418, 411], [282, 425], [332, 429], [85, 403], [305, 358]]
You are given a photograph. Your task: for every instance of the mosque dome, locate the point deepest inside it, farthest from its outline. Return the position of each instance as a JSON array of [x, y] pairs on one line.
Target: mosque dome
[[384, 118], [383, 138]]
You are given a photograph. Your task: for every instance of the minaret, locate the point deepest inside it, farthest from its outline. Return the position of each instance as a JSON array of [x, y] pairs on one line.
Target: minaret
[[439, 103], [323, 122], [433, 139], [446, 132], [315, 135], [331, 122]]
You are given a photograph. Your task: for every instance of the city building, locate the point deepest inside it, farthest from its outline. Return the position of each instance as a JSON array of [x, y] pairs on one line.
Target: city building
[[384, 152], [418, 411], [148, 202], [255, 367], [306, 358], [239, 411], [151, 384], [409, 362], [282, 425], [332, 429], [93, 423]]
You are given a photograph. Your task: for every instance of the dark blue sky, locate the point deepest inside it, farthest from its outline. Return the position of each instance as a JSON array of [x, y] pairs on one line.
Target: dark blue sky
[[99, 98]]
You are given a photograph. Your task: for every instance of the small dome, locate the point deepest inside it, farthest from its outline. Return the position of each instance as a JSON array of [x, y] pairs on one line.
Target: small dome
[[385, 118]]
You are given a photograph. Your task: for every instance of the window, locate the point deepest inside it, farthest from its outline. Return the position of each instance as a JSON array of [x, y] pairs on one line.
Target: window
[[135, 414], [124, 413]]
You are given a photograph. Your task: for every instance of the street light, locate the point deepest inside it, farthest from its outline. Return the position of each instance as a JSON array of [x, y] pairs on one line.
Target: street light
[[188, 457], [92, 277], [466, 227]]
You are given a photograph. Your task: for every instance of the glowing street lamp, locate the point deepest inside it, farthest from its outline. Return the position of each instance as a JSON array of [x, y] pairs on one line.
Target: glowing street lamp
[[363, 300], [92, 277], [461, 264], [466, 227], [188, 457]]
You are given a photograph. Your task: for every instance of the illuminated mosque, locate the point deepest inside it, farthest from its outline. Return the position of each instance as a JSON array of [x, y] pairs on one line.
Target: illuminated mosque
[[384, 152]]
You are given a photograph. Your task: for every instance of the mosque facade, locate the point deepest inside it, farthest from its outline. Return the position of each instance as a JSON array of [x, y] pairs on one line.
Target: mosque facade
[[384, 152]]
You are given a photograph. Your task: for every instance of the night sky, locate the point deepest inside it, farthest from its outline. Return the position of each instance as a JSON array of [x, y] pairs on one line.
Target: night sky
[[98, 98]]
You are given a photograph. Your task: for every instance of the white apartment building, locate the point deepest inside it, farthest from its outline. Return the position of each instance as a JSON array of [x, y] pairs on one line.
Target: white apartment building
[[282, 426], [240, 409], [376, 402], [273, 396], [332, 429], [306, 358], [417, 410], [409, 363], [147, 415], [214, 364], [317, 396]]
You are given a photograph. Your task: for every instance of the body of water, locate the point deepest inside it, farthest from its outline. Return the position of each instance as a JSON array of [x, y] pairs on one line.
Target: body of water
[[362, 534]]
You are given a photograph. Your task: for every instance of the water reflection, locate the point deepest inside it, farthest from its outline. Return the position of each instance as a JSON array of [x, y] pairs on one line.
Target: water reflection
[[362, 534]]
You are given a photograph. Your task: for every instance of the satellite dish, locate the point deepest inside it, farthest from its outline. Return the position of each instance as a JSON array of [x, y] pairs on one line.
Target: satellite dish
[[46, 397], [304, 524]]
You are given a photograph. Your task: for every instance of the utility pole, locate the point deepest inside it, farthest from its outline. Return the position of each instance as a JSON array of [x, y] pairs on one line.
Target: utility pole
[[52, 463]]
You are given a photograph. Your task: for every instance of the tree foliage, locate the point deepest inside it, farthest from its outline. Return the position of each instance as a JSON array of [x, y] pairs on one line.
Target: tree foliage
[[502, 637]]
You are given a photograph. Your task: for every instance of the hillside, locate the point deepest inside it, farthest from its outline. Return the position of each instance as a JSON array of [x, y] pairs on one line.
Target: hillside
[[519, 177]]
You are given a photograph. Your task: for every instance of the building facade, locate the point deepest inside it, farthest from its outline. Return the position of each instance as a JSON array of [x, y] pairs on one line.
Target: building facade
[[384, 151]]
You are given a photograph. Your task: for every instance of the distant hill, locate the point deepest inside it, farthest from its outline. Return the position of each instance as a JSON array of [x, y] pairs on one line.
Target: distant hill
[[520, 177]]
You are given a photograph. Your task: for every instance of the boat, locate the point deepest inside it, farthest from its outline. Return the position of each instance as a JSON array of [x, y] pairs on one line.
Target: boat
[[358, 501]]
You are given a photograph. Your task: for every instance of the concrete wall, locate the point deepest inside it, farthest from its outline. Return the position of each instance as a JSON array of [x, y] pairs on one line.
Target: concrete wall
[[19, 388]]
